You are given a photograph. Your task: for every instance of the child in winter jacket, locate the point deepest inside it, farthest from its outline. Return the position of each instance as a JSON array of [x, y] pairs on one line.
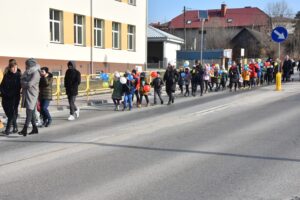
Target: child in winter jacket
[[246, 76], [157, 84], [142, 83], [128, 91], [187, 81], [117, 91]]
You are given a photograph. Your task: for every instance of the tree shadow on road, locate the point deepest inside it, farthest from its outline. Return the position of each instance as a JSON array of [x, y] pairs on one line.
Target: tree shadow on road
[[167, 150]]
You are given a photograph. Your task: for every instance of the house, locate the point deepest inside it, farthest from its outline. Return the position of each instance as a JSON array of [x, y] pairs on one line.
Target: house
[[254, 45], [162, 47], [87, 32], [220, 27]]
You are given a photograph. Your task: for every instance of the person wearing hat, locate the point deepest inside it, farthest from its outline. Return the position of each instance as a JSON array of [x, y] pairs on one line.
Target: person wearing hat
[[117, 91], [45, 96], [30, 91], [157, 84], [10, 91], [72, 81]]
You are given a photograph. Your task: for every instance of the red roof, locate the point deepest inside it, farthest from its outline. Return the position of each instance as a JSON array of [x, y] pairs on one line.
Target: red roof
[[235, 17]]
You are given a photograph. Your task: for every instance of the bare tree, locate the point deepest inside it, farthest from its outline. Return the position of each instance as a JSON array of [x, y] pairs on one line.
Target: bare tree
[[279, 9]]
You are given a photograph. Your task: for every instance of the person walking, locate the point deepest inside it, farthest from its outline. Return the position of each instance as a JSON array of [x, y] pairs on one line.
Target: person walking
[[72, 81], [45, 97], [233, 77], [200, 78], [10, 91], [194, 81], [117, 91], [143, 93], [127, 89], [30, 91], [157, 84], [187, 81], [287, 67], [170, 78]]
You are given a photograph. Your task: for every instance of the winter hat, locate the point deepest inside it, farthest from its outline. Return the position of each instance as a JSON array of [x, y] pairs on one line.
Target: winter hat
[[31, 62], [117, 75]]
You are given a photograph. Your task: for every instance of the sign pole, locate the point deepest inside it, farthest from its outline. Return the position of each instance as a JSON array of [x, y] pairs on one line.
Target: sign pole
[[279, 34], [201, 54], [278, 75]]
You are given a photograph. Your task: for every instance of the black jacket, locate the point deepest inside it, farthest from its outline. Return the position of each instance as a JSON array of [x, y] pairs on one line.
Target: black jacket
[[72, 79], [171, 77], [46, 87], [157, 83], [11, 85]]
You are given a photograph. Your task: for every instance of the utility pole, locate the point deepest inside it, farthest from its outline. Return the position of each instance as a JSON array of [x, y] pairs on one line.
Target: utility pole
[[92, 45], [184, 25]]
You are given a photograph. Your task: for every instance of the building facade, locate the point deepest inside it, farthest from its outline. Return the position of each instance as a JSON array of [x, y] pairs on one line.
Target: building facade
[[162, 47], [100, 35]]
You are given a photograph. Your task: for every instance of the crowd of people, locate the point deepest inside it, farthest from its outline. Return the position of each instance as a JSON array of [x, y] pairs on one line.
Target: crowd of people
[[33, 88], [207, 77]]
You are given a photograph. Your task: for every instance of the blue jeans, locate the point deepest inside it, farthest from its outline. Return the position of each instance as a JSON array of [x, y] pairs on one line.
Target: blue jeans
[[128, 101], [44, 110]]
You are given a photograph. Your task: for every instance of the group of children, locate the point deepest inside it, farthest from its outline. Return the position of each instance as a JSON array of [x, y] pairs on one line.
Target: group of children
[[210, 77], [134, 84]]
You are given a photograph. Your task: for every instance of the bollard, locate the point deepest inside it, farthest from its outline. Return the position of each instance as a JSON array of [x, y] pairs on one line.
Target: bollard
[[278, 81]]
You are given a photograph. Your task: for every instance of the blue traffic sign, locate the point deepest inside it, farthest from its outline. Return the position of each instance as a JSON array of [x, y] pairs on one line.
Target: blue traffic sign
[[279, 34]]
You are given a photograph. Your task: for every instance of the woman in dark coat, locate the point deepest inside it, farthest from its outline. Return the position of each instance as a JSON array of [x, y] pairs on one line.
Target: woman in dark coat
[[171, 77], [10, 90], [72, 81], [45, 95]]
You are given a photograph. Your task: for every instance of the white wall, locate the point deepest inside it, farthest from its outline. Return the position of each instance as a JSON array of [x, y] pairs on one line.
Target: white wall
[[170, 51], [25, 29]]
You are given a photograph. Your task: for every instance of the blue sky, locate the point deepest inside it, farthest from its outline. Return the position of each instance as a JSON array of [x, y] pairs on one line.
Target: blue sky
[[164, 10]]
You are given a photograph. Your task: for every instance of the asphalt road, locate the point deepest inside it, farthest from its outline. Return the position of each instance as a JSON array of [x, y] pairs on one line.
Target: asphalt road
[[241, 145]]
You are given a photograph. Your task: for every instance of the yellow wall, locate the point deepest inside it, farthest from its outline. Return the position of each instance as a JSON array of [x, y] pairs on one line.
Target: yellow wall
[[88, 26], [107, 34], [125, 1], [124, 30], [68, 23]]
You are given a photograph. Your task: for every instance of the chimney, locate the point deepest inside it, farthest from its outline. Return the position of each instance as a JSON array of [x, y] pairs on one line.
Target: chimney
[[223, 10]]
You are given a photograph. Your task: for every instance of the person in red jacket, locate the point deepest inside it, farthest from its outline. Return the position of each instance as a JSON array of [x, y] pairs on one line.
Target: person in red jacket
[[254, 68]]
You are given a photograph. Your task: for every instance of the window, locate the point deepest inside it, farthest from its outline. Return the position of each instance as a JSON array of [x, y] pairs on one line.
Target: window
[[79, 30], [98, 33], [131, 38], [132, 2], [55, 26], [116, 35]]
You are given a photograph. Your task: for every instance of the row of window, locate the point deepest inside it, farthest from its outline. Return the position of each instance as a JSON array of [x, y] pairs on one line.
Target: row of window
[[131, 2], [56, 31]]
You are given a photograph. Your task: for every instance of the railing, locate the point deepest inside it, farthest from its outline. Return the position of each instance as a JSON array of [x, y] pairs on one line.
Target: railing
[[90, 84]]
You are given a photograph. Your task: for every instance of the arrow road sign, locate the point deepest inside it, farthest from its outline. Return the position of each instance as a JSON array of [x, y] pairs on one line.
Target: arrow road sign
[[279, 34]]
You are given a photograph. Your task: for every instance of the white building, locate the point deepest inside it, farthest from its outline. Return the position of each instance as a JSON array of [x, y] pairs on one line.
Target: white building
[[162, 47], [99, 34]]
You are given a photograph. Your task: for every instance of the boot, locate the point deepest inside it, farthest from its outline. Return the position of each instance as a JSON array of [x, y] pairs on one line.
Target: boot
[[34, 130], [15, 130], [24, 131]]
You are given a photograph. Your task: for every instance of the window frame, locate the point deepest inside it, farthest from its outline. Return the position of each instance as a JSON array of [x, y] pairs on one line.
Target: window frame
[[52, 23], [96, 29], [132, 2], [133, 35], [77, 26], [118, 32]]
